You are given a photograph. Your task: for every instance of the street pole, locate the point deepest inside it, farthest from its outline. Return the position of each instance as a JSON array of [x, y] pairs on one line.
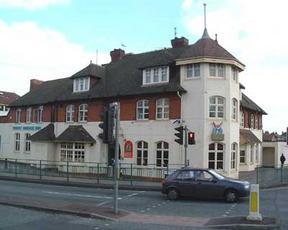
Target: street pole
[[116, 173], [185, 145]]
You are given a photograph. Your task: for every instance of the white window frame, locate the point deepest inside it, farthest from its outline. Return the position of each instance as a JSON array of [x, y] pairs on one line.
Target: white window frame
[[38, 114], [27, 143], [251, 154], [29, 115], [18, 115], [70, 110], [17, 146], [217, 70], [162, 109], [216, 152], [162, 154], [216, 107], [256, 122], [233, 155], [234, 109], [242, 124], [142, 153], [83, 113], [193, 71], [242, 157], [81, 84], [252, 121], [72, 152], [155, 75], [142, 112], [235, 74]]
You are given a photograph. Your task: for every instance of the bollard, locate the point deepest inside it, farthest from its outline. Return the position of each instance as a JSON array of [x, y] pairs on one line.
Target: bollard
[[254, 203]]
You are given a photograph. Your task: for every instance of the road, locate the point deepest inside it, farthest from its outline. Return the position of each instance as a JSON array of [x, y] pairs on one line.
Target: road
[[145, 203]]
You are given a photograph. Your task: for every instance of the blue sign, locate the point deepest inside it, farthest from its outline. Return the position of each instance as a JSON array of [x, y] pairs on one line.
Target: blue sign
[[26, 128]]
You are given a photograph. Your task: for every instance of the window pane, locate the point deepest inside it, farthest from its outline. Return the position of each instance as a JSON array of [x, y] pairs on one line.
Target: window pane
[[211, 165]]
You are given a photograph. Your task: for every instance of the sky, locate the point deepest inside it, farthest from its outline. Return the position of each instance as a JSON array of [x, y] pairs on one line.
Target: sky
[[51, 39]]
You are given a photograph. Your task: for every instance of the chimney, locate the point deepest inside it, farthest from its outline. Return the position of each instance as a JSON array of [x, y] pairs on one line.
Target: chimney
[[117, 54], [34, 84], [179, 42]]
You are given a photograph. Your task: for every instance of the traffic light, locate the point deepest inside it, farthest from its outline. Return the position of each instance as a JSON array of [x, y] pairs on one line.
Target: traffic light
[[179, 134], [191, 138], [107, 125]]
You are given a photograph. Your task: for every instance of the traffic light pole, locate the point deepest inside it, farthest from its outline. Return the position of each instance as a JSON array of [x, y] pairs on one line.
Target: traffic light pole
[[116, 171], [185, 145]]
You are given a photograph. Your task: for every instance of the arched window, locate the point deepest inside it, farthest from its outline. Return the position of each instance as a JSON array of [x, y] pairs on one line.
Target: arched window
[[233, 155], [143, 110], [234, 109], [216, 156], [162, 154], [216, 106], [70, 113], [142, 153], [162, 108], [83, 112]]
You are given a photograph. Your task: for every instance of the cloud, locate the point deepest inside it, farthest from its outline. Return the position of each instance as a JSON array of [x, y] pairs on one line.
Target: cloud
[[255, 33], [30, 51], [31, 4]]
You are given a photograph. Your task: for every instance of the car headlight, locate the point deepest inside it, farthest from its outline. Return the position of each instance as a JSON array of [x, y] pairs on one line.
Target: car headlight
[[246, 186]]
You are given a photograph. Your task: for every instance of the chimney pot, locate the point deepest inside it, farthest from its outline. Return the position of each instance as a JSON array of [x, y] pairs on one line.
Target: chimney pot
[[117, 54], [34, 84], [179, 42]]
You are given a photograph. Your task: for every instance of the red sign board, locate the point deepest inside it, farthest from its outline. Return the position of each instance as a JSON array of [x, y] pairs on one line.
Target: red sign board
[[128, 149]]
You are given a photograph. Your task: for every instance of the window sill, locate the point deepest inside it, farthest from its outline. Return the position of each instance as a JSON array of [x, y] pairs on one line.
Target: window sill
[[193, 78]]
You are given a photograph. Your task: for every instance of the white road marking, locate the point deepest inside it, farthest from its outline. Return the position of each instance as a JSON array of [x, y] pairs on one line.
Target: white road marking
[[80, 195]]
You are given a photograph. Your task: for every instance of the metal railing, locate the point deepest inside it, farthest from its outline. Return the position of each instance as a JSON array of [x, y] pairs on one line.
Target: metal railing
[[89, 172], [267, 176]]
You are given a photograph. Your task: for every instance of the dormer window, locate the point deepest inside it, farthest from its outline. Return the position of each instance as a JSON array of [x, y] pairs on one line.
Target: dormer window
[[81, 84], [155, 75]]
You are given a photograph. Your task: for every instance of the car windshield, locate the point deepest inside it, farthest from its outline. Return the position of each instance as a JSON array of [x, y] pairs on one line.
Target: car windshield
[[216, 174]]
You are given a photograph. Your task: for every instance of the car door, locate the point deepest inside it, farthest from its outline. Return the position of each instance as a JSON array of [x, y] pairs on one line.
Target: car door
[[186, 183], [207, 185]]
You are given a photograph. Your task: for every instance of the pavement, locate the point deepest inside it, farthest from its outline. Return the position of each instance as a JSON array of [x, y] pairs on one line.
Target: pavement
[[239, 222]]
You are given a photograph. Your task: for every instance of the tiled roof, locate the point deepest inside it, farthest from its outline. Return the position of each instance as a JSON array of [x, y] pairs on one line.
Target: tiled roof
[[90, 71], [75, 134], [124, 77], [45, 134], [7, 97], [247, 103], [247, 137]]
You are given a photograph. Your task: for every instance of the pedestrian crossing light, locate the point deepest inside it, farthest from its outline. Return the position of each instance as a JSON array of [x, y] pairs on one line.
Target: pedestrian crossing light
[[179, 134], [191, 138]]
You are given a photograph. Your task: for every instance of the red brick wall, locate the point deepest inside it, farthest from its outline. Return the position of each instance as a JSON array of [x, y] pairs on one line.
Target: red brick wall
[[95, 108]]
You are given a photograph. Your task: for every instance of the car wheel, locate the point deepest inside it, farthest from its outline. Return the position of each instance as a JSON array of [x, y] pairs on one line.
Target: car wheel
[[172, 194], [231, 196]]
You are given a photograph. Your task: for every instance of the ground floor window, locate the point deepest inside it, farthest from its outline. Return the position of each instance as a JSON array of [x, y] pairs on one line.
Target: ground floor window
[[17, 142], [27, 142], [251, 154], [215, 156], [162, 154], [142, 153], [242, 157], [233, 155], [74, 152]]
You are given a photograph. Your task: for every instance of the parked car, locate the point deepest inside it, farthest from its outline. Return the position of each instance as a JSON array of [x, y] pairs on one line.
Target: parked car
[[203, 183]]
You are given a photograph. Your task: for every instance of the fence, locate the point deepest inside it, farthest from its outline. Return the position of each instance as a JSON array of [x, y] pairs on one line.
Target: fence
[[86, 172], [267, 176]]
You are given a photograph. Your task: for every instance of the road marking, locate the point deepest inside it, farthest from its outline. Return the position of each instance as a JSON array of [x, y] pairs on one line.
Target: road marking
[[80, 195]]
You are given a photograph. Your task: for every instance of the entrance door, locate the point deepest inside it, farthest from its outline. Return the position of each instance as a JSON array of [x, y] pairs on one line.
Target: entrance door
[[268, 156]]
